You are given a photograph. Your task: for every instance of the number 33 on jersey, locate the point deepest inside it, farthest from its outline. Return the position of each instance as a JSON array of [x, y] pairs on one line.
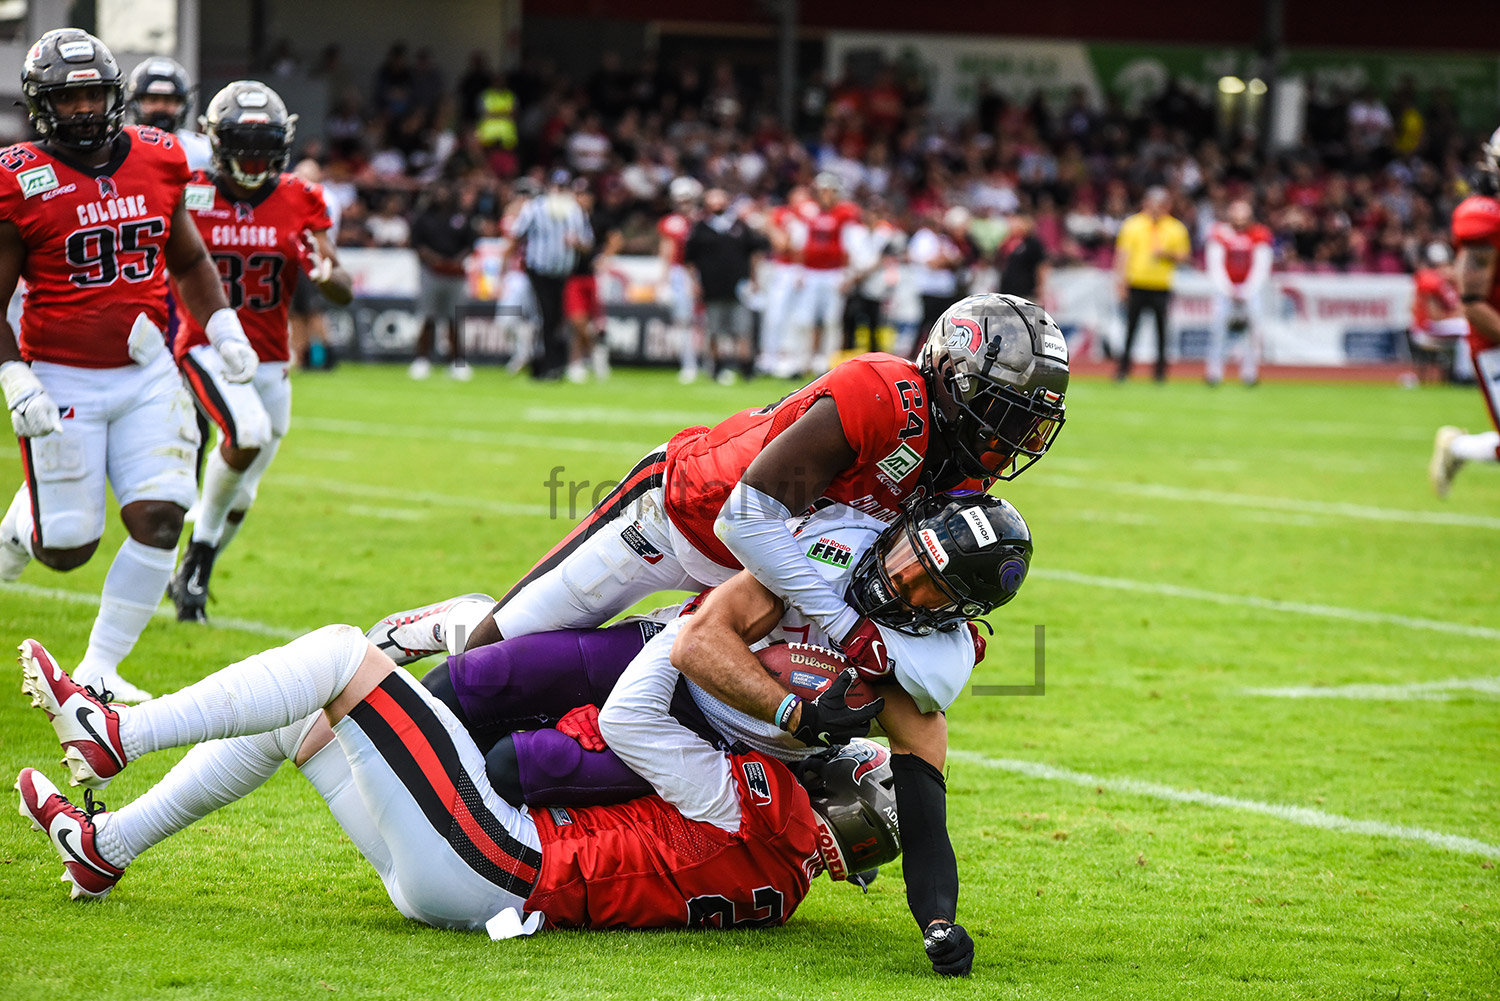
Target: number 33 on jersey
[[258, 245], [94, 239]]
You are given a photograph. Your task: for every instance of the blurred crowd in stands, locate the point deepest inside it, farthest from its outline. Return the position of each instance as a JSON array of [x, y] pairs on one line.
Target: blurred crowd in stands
[[1372, 185]]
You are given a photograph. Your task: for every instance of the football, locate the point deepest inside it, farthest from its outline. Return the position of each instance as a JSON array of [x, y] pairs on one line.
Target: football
[[807, 670]]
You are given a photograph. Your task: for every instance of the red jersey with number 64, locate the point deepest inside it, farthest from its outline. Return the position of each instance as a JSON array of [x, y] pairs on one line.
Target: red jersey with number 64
[[94, 238], [258, 245], [882, 404]]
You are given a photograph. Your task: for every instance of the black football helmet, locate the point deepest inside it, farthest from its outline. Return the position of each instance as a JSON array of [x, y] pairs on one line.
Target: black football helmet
[[63, 59], [159, 76], [250, 132], [997, 370], [947, 559], [853, 796]]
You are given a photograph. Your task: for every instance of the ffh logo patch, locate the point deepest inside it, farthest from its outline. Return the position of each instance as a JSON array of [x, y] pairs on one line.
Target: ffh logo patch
[[756, 783]]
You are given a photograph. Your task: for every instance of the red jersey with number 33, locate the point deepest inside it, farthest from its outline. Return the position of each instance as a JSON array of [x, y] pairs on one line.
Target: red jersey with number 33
[[94, 241], [882, 404], [258, 246], [642, 864]]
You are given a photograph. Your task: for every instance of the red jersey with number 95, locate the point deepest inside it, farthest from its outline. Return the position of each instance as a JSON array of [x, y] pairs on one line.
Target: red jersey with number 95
[[882, 405], [258, 245], [94, 241]]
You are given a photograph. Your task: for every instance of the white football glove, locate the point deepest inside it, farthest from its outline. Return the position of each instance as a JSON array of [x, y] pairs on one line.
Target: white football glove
[[228, 338], [32, 412]]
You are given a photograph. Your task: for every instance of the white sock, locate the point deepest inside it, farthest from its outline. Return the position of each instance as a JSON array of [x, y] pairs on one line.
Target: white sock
[[17, 522], [329, 772], [231, 529], [132, 589], [1477, 447], [208, 777], [263, 692], [220, 486]]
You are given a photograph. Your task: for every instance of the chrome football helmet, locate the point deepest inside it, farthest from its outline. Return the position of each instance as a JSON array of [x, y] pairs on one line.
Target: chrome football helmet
[[853, 796], [997, 370]]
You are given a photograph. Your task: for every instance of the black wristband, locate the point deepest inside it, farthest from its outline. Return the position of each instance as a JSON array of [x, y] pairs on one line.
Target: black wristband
[[927, 858], [1471, 297]]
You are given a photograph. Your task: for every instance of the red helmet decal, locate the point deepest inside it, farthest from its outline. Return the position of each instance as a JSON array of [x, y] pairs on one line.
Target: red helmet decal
[[971, 339]]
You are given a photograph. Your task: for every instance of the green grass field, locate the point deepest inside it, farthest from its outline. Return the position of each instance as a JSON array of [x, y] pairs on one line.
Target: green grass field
[[1191, 545]]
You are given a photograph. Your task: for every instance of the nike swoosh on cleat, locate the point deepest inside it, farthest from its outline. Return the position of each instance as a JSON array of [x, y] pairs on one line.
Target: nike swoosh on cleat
[[193, 587], [62, 841], [83, 720]]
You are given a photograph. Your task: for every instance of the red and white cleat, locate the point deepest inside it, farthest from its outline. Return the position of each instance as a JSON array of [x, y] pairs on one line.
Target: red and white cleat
[[87, 723], [71, 831], [421, 632]]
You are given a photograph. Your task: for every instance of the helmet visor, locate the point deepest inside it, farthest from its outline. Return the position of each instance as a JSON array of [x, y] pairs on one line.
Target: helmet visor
[[909, 577]]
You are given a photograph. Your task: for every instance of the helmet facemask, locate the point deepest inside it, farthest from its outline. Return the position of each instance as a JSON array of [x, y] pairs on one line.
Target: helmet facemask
[[995, 431], [85, 132], [251, 153]]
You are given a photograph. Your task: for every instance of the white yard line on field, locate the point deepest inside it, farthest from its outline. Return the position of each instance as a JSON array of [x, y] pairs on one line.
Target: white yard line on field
[[474, 436], [1305, 816], [1161, 491], [1337, 429], [1268, 604], [165, 612], [370, 491], [622, 416], [387, 513], [1416, 691]]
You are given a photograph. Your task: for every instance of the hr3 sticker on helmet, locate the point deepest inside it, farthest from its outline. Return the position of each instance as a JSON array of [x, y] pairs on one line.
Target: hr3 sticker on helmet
[[934, 547], [901, 463], [984, 532]]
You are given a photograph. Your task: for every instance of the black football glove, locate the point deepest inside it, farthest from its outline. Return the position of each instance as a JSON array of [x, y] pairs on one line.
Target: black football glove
[[827, 720], [950, 948]]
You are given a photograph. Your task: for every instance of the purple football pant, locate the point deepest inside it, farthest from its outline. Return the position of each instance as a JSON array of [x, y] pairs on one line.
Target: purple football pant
[[523, 686]]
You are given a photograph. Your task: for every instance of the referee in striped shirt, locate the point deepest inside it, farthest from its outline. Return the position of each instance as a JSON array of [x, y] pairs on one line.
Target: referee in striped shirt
[[555, 229]]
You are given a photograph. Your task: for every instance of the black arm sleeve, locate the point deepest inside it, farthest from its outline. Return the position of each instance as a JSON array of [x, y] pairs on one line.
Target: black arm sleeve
[[926, 853]]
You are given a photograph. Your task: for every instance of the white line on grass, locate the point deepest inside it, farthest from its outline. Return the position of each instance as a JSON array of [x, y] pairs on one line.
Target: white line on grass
[[1305, 816], [1162, 491], [1416, 691], [370, 491], [387, 513], [217, 622], [474, 436], [1269, 604], [620, 415]]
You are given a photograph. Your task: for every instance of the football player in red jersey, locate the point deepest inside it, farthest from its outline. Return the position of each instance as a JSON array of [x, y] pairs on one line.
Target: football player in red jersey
[[736, 847], [786, 230], [984, 402], [261, 226], [821, 304], [94, 220], [1238, 262], [1437, 314], [1476, 230], [676, 283]]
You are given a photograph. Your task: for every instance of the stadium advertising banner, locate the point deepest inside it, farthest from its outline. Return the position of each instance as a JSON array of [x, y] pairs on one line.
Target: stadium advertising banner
[[1309, 319], [954, 66]]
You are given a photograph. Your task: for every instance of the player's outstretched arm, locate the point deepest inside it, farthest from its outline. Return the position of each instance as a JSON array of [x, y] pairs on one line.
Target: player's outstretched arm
[[12, 258], [787, 476], [919, 749], [1476, 277], [198, 283], [33, 414], [332, 280]]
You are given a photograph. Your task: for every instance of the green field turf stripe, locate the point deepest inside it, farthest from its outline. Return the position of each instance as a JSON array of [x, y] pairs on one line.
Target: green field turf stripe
[[372, 491], [475, 436], [1268, 604], [1297, 505], [1417, 691], [1302, 815], [217, 622]]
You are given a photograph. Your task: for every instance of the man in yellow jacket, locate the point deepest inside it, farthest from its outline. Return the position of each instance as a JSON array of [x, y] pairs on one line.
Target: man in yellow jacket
[[1150, 246]]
